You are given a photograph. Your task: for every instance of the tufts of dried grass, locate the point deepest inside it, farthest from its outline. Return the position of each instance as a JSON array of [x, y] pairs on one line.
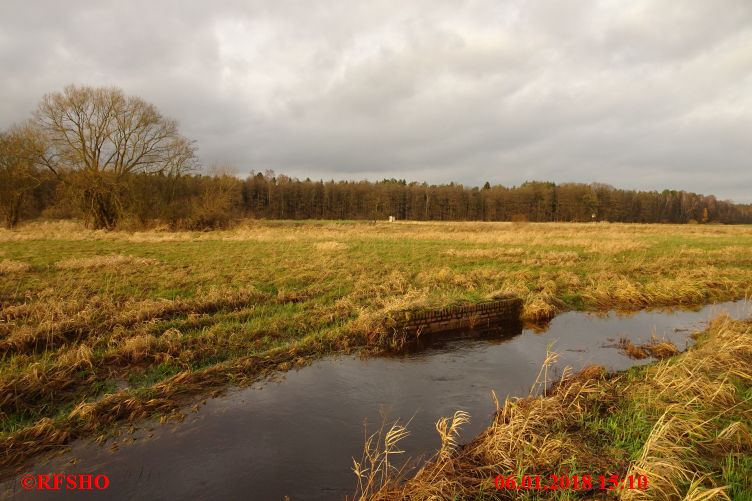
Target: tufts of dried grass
[[375, 326], [108, 261], [9, 266], [540, 308], [43, 436], [50, 323], [117, 407], [608, 289], [495, 253], [656, 348], [445, 277], [632, 350], [137, 348], [329, 246], [42, 384], [662, 349]]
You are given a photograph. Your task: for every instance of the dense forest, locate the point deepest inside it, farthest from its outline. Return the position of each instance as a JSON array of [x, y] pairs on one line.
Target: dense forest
[[116, 162], [204, 202], [272, 196]]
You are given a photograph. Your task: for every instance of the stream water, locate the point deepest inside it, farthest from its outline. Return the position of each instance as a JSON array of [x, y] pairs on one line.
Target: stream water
[[296, 437]]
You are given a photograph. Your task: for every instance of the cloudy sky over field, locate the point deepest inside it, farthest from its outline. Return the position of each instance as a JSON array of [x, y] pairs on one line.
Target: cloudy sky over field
[[638, 94]]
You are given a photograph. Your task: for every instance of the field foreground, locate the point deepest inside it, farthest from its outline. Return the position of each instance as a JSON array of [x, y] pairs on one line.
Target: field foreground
[[101, 328], [684, 425]]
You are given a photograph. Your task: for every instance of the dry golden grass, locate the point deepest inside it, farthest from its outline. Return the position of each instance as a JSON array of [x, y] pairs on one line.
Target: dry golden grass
[[656, 348], [329, 246], [48, 324], [612, 238], [109, 261], [9, 266]]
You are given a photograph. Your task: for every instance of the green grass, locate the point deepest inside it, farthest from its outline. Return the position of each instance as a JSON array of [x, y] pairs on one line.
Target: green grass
[[737, 474]]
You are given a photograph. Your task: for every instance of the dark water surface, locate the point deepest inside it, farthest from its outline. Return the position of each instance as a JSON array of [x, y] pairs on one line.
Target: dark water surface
[[297, 437]]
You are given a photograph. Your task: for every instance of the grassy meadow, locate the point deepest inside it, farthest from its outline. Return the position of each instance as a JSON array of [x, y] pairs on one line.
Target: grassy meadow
[[99, 328]]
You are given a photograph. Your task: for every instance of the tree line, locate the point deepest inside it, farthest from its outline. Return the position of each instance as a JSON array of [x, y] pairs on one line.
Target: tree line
[[115, 161], [281, 197]]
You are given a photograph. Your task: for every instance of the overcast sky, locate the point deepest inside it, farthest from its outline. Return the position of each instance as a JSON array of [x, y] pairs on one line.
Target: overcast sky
[[638, 94]]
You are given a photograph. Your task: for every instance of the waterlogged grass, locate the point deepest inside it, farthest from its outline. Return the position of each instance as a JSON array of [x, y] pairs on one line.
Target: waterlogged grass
[[164, 315], [685, 424]]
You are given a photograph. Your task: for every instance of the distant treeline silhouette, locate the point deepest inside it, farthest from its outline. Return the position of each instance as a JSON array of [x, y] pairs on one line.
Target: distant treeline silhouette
[[114, 161], [188, 201], [281, 197]]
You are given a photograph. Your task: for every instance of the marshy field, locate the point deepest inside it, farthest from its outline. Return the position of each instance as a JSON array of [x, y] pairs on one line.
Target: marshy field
[[103, 330]]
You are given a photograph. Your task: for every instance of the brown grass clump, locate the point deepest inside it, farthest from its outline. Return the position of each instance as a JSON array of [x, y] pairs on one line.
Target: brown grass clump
[[43, 384], [43, 436], [632, 350], [496, 253], [375, 326], [329, 246], [592, 372], [662, 349], [540, 308], [655, 348], [136, 349], [9, 266], [109, 261]]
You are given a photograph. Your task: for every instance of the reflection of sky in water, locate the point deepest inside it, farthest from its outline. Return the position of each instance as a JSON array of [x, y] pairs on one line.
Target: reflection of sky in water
[[297, 437]]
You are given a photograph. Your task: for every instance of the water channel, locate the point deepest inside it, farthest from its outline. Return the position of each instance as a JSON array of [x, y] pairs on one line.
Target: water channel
[[297, 436]]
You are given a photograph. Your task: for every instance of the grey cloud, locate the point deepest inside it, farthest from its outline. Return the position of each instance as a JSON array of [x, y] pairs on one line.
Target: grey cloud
[[646, 95]]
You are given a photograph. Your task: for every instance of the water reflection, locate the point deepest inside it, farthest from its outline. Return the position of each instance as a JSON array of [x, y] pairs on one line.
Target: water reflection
[[426, 344]]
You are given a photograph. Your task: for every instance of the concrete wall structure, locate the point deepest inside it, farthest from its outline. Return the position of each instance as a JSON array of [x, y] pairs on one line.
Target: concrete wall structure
[[479, 316]]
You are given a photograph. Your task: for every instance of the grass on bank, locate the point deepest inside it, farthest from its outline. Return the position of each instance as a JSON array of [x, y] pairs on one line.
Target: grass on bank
[[684, 423], [98, 327]]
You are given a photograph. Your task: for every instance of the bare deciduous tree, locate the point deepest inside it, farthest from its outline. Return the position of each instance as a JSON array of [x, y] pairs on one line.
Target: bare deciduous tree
[[96, 138], [218, 201], [20, 150]]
